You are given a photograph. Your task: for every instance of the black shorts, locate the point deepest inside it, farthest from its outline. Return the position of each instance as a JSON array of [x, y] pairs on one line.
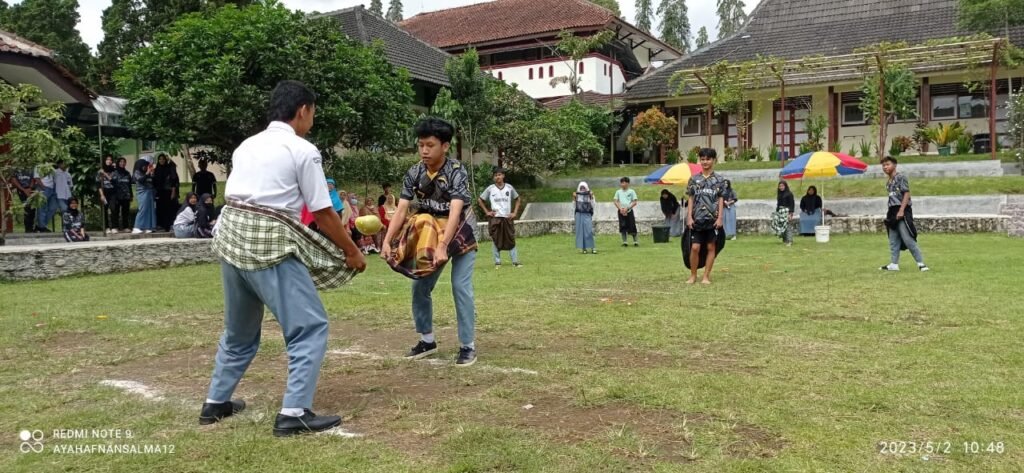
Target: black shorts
[[704, 237]]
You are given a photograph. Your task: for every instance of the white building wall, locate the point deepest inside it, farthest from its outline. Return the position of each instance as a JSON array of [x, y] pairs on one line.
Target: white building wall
[[600, 75]]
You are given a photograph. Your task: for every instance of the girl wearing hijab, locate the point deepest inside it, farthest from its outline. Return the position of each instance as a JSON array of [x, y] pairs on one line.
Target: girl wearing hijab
[[105, 181], [185, 223], [583, 208], [166, 183], [785, 206], [335, 198], [120, 205], [145, 219], [729, 216], [74, 223], [206, 217], [810, 211], [670, 208]]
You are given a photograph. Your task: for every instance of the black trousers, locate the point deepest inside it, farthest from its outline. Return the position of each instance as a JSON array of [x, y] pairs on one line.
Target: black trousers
[[120, 208], [30, 214]]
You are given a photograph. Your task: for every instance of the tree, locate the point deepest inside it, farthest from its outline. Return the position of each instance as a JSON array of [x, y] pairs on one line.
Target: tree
[[377, 7], [651, 129], [675, 24], [1015, 124], [702, 38], [36, 138], [207, 80], [51, 23], [576, 48], [731, 17], [890, 90], [644, 13], [470, 87], [395, 11], [612, 5], [991, 15]]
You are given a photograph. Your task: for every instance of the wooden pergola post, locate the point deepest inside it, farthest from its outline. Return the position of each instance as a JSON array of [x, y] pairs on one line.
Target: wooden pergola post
[[881, 107], [707, 126], [993, 68]]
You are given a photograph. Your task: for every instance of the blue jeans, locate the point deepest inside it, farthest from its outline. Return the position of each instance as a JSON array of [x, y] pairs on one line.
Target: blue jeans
[[146, 218], [497, 255], [462, 290], [45, 214], [287, 289]]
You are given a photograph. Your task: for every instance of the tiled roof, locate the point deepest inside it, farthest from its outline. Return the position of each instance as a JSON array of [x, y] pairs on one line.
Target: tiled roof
[[589, 98], [792, 29], [505, 19], [11, 43], [423, 61], [15, 44]]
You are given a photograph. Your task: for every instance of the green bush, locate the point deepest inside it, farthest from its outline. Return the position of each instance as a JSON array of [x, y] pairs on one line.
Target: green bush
[[965, 143]]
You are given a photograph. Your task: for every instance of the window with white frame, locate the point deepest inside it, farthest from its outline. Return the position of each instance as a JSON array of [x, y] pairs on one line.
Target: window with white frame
[[690, 125]]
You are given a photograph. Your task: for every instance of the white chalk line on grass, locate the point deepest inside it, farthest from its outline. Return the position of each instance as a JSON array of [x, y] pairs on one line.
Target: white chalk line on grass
[[352, 353], [133, 387], [340, 432]]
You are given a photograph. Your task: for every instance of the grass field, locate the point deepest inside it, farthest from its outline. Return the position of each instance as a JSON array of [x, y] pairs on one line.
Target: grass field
[[830, 188], [797, 359], [644, 169]]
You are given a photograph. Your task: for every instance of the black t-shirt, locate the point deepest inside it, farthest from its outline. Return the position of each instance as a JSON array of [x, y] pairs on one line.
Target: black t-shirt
[[434, 194], [204, 182], [705, 192]]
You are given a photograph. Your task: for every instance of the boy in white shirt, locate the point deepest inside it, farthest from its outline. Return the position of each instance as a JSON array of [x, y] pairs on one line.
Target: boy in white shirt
[[502, 216]]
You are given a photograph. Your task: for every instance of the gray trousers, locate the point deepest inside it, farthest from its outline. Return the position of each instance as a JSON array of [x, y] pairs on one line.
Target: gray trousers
[[287, 289], [902, 236]]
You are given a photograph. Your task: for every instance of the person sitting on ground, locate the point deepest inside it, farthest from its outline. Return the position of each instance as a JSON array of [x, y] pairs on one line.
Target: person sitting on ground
[[810, 204], [336, 202], [74, 223], [185, 222], [370, 243], [205, 217]]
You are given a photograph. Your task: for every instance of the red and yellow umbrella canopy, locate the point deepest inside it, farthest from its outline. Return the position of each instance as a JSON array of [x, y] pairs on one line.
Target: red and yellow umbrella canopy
[[823, 164], [673, 174]]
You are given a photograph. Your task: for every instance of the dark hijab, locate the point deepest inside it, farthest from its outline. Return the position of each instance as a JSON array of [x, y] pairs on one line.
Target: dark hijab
[[73, 212], [187, 205], [204, 211], [785, 197], [109, 169], [810, 202], [669, 203]]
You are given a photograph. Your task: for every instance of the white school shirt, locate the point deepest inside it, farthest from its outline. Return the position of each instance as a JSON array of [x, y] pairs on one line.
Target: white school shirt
[[62, 183], [500, 199], [278, 169], [45, 181]]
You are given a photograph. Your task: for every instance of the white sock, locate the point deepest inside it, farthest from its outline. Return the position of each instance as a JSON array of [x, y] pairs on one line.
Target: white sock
[[292, 411], [211, 401], [427, 337]]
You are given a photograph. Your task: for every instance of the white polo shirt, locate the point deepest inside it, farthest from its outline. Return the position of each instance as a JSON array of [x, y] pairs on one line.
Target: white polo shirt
[[278, 169]]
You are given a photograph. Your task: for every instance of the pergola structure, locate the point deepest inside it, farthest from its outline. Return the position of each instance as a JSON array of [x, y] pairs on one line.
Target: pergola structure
[[936, 56]]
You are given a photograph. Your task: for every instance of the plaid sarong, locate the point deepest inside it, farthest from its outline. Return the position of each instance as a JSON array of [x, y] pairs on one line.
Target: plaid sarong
[[416, 243], [252, 238]]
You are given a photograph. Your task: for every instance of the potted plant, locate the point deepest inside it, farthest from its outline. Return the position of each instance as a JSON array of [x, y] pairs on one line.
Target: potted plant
[[965, 143], [944, 135]]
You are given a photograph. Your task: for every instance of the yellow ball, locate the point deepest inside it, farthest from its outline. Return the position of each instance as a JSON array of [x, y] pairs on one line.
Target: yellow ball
[[369, 224]]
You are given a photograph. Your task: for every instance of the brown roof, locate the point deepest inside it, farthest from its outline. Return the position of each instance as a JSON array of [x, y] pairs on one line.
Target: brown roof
[[12, 43], [589, 98], [505, 19], [792, 29], [41, 58]]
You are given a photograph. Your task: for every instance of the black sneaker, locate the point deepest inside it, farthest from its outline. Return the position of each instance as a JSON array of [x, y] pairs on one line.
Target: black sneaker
[[422, 350], [213, 413], [467, 356], [286, 426]]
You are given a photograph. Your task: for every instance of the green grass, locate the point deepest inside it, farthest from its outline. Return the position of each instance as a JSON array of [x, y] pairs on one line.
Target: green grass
[[797, 359], [644, 169], [829, 188]]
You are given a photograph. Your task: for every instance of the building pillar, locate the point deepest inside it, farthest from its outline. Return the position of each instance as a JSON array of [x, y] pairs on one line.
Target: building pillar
[[926, 107], [833, 122]]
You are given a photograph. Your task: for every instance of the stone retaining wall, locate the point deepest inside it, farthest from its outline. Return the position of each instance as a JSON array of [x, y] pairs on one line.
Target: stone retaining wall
[[21, 263]]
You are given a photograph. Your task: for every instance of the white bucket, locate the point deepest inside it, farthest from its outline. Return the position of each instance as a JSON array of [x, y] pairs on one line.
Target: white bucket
[[821, 233]]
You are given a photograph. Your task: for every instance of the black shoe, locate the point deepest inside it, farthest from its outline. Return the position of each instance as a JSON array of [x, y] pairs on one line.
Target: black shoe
[[636, 243], [213, 413], [422, 350], [467, 356], [286, 426]]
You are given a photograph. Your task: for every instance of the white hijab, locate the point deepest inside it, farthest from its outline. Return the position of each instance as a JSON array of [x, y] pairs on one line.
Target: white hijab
[[583, 187]]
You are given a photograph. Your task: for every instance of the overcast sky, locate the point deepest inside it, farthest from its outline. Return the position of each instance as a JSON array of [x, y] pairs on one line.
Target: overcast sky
[[702, 12]]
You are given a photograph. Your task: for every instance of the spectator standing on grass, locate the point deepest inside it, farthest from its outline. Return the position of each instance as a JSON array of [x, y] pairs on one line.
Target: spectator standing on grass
[[785, 205], [45, 186], [268, 259], [625, 201], [166, 182], [62, 185], [23, 182], [729, 220], [705, 208], [185, 223], [670, 209], [145, 218], [899, 219], [74, 223], [120, 205], [583, 213], [105, 184], [501, 217], [204, 182], [440, 186]]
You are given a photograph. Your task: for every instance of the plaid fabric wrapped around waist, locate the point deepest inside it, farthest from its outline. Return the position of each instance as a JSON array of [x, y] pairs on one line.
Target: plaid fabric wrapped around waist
[[252, 238]]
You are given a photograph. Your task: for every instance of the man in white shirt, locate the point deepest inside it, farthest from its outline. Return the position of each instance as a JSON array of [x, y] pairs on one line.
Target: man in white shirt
[[278, 171], [500, 226]]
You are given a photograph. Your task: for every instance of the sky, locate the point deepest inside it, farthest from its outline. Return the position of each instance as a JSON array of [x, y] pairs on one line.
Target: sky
[[702, 12]]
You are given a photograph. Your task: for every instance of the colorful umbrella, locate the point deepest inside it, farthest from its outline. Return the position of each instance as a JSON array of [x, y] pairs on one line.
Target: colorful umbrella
[[822, 164], [673, 174]]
